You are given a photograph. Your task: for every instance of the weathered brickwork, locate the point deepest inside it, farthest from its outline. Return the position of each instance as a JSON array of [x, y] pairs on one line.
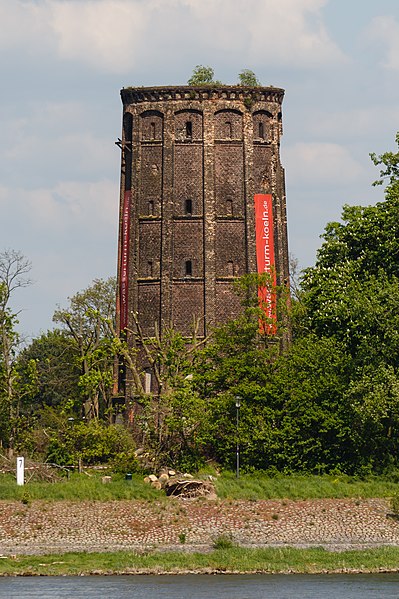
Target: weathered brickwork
[[188, 188], [192, 160], [188, 305], [229, 179]]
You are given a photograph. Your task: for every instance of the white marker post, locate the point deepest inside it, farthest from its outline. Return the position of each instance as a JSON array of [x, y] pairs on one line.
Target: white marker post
[[20, 471]]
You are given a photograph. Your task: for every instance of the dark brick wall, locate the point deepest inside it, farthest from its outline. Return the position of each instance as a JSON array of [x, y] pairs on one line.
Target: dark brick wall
[[262, 126], [188, 179], [150, 180], [230, 249], [151, 125], [228, 124], [227, 302], [188, 304], [149, 250], [188, 246], [262, 168], [229, 179], [183, 130], [148, 306]]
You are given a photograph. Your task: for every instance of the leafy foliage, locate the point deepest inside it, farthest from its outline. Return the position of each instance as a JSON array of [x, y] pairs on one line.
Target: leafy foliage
[[248, 78], [58, 370], [14, 271], [202, 76], [92, 443], [327, 404], [89, 324]]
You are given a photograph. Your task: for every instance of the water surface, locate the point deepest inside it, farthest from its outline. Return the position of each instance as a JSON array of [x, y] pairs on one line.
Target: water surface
[[357, 586]]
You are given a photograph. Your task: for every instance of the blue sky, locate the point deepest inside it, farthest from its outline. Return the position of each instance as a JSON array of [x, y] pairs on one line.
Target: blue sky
[[63, 62]]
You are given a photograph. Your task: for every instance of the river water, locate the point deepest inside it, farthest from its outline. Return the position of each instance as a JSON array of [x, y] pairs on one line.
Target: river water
[[356, 586]]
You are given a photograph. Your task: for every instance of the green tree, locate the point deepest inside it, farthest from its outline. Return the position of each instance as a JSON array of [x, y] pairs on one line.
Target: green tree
[[58, 370], [240, 361], [351, 296], [390, 168], [202, 76], [89, 323], [248, 78], [14, 275]]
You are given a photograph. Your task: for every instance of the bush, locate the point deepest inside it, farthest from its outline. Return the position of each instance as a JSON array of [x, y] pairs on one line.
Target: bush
[[92, 443], [125, 461], [224, 541]]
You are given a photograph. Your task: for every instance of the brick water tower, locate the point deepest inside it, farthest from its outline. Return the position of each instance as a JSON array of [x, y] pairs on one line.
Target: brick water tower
[[195, 162]]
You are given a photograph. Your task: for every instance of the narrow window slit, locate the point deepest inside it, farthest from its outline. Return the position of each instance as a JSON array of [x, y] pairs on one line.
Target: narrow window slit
[[189, 129], [188, 207], [188, 268]]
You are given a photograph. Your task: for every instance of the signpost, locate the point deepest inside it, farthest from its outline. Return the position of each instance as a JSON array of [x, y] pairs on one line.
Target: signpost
[[20, 471]]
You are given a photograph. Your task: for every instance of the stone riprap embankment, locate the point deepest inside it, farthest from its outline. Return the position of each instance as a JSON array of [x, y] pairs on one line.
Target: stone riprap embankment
[[62, 526]]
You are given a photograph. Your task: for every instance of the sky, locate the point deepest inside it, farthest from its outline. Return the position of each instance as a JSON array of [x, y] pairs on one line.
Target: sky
[[63, 63]]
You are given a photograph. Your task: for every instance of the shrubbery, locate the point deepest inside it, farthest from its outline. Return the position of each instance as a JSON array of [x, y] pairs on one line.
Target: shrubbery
[[93, 443]]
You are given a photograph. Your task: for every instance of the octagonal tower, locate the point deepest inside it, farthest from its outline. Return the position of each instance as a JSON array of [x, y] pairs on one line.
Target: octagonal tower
[[193, 159]]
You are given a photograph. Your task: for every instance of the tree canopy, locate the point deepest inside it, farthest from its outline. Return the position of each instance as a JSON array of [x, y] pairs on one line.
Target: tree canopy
[[203, 75], [328, 403], [248, 77]]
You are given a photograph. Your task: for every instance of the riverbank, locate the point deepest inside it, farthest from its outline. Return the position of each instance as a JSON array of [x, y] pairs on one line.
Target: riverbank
[[52, 527], [223, 561]]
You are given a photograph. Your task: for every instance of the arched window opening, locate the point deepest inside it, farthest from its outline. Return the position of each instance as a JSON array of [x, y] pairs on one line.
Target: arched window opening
[[229, 207], [188, 207], [229, 129], [189, 129], [261, 131], [230, 269], [188, 268], [152, 128], [151, 208]]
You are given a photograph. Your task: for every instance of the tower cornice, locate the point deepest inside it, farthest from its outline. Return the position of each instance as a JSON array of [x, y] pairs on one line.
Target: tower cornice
[[136, 95]]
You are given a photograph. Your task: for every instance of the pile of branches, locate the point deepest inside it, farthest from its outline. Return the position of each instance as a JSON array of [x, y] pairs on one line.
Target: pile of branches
[[189, 488]]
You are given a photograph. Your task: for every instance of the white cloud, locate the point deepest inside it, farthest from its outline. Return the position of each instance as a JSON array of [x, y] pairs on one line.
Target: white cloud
[[360, 122], [116, 35], [69, 232], [106, 34], [53, 137], [385, 30], [23, 23], [55, 212], [313, 164], [292, 33]]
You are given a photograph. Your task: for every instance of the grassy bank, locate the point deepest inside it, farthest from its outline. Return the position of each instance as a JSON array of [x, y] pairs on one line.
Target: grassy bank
[[249, 487], [233, 560], [79, 487], [253, 487]]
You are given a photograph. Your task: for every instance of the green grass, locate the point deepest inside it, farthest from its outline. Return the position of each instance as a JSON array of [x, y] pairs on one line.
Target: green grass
[[79, 487], [235, 559], [250, 487], [259, 486]]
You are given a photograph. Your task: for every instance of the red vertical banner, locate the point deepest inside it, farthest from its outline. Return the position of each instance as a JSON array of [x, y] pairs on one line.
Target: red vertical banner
[[124, 265], [265, 260]]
